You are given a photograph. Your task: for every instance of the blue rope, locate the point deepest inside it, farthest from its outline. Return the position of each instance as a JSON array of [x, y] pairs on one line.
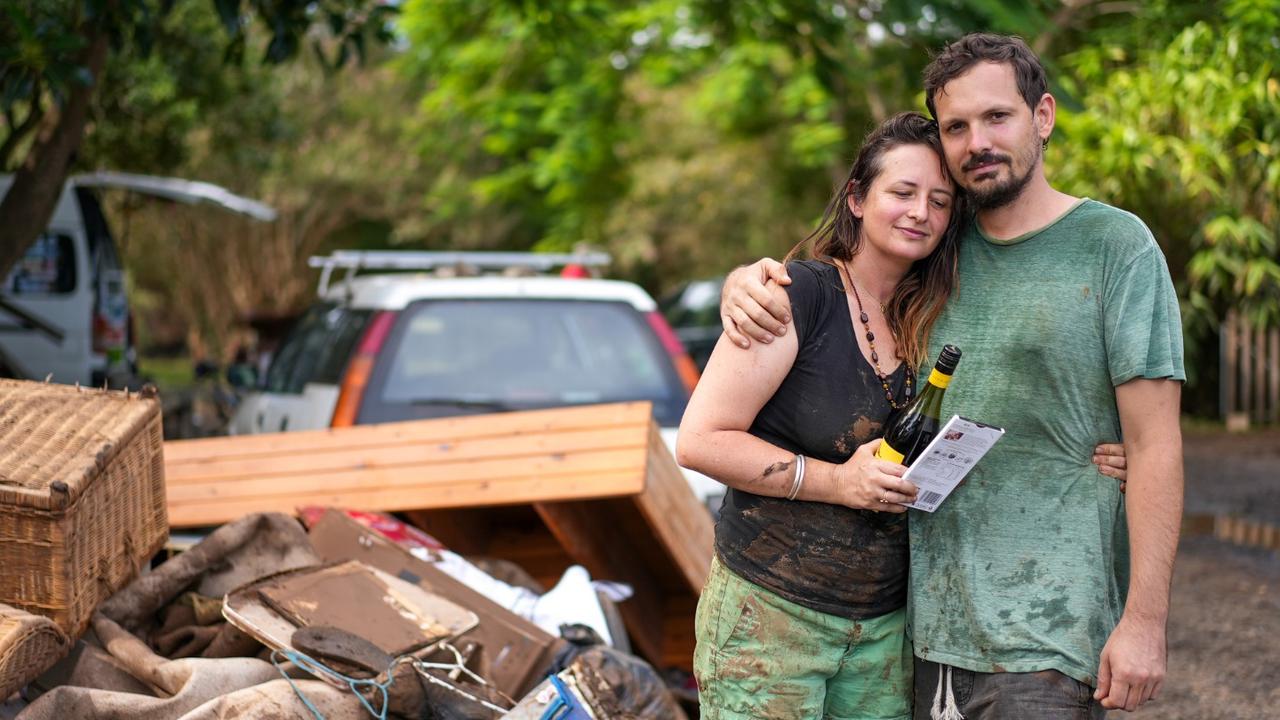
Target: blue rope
[[315, 667]]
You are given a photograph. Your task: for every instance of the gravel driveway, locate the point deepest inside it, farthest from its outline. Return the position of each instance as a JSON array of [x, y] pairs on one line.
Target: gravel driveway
[[1224, 629]]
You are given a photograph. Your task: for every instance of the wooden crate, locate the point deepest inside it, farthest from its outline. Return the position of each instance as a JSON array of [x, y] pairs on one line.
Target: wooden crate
[[595, 486], [82, 502]]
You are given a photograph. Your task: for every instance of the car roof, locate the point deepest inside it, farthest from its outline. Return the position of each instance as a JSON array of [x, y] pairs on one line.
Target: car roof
[[395, 291]]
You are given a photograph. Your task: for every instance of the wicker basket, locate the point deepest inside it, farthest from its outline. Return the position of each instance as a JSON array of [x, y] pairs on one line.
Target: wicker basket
[[82, 501], [29, 645]]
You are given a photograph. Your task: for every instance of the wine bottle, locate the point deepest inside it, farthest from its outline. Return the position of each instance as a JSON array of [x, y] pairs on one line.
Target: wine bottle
[[911, 430]]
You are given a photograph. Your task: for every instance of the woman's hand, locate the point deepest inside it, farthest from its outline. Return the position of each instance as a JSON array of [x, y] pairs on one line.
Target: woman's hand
[[1110, 459], [866, 482]]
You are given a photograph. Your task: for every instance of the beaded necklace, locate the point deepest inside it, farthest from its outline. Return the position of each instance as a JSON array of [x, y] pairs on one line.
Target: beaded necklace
[[871, 342]]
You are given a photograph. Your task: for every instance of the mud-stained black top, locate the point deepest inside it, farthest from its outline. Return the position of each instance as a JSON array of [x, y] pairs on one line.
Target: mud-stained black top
[[830, 558]]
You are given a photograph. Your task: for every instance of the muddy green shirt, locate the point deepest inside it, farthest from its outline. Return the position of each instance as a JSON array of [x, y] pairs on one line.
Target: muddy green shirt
[[1025, 566]]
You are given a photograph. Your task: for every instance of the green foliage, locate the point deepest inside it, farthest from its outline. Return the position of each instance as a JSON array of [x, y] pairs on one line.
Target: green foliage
[[153, 107], [41, 42], [330, 160], [1186, 134], [642, 126], [682, 135]]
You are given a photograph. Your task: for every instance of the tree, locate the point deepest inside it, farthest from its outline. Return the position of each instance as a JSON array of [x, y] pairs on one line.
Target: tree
[[1185, 132], [327, 152], [1180, 123], [53, 57], [608, 121]]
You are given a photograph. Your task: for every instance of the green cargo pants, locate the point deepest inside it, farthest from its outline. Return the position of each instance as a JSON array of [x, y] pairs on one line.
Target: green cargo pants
[[762, 656]]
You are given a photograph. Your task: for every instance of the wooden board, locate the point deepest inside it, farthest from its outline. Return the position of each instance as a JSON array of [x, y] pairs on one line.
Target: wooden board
[[593, 486], [536, 456]]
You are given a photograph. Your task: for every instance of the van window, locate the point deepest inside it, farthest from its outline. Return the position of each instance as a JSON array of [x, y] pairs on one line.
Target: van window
[[317, 349], [103, 255], [47, 268]]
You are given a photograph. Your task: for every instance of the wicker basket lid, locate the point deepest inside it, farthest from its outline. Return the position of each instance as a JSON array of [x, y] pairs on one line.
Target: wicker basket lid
[[54, 439], [29, 645]]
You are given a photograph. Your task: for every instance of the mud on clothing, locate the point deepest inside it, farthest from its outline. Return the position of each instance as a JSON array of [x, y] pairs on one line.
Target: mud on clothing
[[829, 558], [762, 656], [1025, 567]]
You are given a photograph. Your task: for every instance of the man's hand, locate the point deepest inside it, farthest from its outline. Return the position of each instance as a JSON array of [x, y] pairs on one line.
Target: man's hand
[[751, 307], [1111, 461], [1133, 664]]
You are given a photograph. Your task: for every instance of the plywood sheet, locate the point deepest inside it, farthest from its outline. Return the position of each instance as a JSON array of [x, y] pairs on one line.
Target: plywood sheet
[[509, 458]]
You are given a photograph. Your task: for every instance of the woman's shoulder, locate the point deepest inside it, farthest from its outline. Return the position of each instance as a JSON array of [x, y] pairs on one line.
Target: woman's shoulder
[[814, 287], [814, 276]]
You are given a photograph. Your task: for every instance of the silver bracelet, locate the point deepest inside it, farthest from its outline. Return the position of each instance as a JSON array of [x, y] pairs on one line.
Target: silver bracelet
[[795, 484]]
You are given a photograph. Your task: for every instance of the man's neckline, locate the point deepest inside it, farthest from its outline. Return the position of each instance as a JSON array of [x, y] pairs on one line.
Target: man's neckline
[[1030, 233]]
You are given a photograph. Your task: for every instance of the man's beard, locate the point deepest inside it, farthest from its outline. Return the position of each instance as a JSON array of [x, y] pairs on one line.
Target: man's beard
[[999, 194]]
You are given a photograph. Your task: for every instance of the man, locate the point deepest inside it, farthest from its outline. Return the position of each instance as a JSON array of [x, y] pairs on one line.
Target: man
[[1037, 590]]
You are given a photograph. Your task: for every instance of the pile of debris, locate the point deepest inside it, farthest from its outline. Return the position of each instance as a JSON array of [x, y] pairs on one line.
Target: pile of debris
[[336, 613]]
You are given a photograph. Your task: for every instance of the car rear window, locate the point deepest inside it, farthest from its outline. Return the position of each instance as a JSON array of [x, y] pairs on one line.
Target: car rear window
[[448, 357], [317, 348]]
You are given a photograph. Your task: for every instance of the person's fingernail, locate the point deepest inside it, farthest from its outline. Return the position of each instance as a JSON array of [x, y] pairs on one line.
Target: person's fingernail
[[742, 344], [782, 330], [767, 339], [786, 318]]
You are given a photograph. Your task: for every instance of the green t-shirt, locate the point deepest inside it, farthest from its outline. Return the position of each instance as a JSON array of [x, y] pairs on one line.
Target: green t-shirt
[[1025, 566]]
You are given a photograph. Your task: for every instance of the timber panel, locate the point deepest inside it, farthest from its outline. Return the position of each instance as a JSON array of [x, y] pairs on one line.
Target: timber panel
[[544, 455]]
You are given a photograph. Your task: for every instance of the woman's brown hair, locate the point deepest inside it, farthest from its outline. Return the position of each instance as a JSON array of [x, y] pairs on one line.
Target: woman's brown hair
[[921, 294]]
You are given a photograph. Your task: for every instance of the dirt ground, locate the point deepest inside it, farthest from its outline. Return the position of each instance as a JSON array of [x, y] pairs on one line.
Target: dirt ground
[[1224, 629]]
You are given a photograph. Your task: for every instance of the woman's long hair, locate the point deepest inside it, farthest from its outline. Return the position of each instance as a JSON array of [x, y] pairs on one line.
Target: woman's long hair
[[921, 294]]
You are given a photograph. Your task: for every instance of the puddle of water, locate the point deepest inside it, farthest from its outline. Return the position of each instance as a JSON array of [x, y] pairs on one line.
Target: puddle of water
[[1235, 530]]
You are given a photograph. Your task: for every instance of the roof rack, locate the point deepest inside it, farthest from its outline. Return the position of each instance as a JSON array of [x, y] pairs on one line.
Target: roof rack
[[354, 261]]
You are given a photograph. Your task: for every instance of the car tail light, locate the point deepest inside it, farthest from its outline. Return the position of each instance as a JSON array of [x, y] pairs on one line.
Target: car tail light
[[107, 335], [684, 364], [356, 378]]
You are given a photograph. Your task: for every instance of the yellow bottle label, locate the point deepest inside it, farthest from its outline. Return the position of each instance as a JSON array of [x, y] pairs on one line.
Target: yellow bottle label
[[886, 452], [942, 380]]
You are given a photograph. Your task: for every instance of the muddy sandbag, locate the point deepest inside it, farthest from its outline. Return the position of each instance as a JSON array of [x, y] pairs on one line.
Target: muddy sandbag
[[186, 684], [193, 626], [623, 686], [125, 680], [236, 553], [178, 606], [277, 700], [88, 666], [272, 700]]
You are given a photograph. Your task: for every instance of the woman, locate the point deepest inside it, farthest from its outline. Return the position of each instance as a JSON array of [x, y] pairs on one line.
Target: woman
[[803, 612]]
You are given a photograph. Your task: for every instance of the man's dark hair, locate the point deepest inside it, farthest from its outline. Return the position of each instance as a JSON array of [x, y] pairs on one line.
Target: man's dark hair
[[956, 59]]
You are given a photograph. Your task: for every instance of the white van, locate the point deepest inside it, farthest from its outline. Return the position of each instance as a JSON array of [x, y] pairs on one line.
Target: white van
[[64, 313]]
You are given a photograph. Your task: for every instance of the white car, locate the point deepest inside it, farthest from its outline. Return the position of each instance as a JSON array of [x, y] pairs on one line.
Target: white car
[[64, 314], [398, 346]]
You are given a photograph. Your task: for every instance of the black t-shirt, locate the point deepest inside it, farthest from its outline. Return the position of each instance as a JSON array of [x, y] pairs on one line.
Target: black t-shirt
[[830, 558]]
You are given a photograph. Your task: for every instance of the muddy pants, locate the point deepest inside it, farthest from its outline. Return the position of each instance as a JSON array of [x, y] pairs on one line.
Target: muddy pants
[[1045, 695], [762, 656]]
